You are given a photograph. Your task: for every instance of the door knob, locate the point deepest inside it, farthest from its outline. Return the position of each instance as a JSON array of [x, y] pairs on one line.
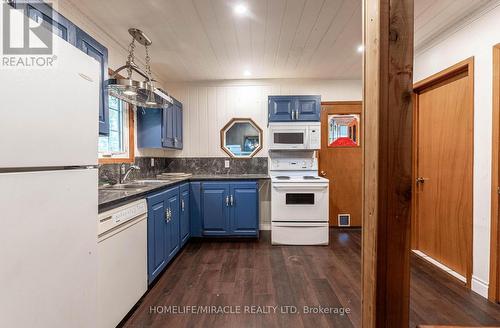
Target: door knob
[[322, 173], [421, 180]]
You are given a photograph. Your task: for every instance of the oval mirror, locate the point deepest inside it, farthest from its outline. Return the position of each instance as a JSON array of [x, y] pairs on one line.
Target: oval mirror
[[241, 138]]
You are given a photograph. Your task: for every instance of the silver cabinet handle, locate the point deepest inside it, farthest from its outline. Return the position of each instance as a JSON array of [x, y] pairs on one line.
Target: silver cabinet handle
[[293, 115], [182, 204], [227, 201], [297, 114], [232, 200]]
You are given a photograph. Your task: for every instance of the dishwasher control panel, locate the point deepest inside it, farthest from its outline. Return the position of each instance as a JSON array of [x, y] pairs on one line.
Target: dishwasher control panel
[[118, 216]]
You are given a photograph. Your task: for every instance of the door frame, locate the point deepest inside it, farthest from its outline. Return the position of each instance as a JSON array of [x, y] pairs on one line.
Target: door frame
[[465, 66], [494, 287]]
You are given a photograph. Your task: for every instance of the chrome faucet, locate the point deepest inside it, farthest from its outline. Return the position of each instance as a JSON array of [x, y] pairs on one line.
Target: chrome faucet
[[124, 174]]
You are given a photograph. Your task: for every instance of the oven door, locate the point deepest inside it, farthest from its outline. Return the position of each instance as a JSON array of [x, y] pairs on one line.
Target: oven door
[[288, 138], [299, 202]]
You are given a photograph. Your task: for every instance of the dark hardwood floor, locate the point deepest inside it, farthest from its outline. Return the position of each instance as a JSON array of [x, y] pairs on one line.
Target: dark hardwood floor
[[245, 273]]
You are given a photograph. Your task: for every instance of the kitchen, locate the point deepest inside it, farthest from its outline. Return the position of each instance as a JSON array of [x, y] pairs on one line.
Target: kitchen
[[182, 163]]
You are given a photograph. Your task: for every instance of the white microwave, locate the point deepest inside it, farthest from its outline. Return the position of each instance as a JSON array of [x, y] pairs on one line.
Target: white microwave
[[283, 136]]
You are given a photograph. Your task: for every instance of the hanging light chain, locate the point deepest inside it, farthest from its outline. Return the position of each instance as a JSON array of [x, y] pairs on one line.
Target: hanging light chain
[[131, 57], [148, 64]]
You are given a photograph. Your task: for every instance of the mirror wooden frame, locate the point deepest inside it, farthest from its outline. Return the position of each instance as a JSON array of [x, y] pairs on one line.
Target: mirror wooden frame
[[229, 125]]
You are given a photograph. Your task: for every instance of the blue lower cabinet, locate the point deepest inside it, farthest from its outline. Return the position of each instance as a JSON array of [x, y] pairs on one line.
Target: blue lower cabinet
[[230, 208], [215, 208], [184, 215], [173, 221], [163, 230], [195, 219], [244, 201], [157, 235]]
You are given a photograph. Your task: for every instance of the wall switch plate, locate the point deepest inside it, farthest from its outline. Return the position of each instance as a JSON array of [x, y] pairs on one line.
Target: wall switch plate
[[152, 162], [226, 163]]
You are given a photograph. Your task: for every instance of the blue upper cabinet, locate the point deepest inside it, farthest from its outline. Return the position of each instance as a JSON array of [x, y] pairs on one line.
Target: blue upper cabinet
[[94, 49], [280, 108], [43, 13], [177, 117], [294, 108], [230, 208], [168, 127], [160, 127], [308, 108], [150, 131]]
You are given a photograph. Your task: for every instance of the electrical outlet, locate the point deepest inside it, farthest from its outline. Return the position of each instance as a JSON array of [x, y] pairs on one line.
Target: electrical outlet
[[226, 163], [152, 162]]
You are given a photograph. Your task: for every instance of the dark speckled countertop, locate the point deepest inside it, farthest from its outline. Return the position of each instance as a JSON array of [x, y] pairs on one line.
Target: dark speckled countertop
[[109, 199]]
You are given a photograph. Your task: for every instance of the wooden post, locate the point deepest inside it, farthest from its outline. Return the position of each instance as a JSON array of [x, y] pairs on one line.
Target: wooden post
[[388, 74]]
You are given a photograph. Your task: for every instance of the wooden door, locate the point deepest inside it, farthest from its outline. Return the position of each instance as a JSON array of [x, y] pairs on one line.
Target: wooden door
[[342, 165], [443, 168]]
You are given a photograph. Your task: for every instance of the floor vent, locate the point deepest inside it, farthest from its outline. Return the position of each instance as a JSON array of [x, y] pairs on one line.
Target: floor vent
[[344, 220]]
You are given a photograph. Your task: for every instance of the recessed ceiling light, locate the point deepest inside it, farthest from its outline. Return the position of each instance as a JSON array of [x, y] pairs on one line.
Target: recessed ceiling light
[[240, 9], [361, 48], [247, 72]]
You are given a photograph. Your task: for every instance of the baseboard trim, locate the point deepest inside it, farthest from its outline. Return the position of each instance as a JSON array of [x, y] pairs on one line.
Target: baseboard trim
[[439, 265], [265, 226], [480, 286]]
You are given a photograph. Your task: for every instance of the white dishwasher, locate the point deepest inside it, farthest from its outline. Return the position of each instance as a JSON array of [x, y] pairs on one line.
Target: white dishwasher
[[122, 252]]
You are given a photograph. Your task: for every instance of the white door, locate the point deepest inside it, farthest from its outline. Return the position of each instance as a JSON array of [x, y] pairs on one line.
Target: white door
[[49, 117], [48, 244]]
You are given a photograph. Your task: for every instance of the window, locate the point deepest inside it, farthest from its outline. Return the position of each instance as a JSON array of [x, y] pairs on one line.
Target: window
[[118, 145]]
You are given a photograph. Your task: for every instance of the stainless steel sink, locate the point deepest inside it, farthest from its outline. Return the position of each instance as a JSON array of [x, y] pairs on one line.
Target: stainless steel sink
[[137, 185], [148, 182]]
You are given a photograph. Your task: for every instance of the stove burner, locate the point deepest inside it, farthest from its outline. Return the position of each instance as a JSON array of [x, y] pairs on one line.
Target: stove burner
[[310, 177], [283, 177]]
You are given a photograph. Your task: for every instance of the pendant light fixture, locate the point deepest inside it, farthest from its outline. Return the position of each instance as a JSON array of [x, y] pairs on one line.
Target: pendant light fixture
[[139, 93]]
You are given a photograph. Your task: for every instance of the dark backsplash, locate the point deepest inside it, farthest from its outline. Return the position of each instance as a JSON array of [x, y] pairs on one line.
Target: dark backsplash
[[201, 165]]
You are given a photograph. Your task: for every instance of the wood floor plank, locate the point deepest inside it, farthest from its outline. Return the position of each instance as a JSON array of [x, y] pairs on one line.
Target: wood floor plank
[[246, 272]]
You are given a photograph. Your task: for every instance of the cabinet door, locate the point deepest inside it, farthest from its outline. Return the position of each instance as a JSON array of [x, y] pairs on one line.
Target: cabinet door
[[178, 125], [280, 108], [43, 13], [215, 208], [244, 209], [173, 229], [184, 216], [157, 229], [308, 108], [94, 49], [149, 127], [195, 218], [168, 127]]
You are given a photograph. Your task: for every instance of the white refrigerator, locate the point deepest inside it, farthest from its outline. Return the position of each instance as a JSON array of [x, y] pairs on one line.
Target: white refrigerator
[[48, 192]]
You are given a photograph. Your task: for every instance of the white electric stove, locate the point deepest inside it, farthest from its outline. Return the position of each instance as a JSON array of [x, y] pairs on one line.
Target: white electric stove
[[299, 200]]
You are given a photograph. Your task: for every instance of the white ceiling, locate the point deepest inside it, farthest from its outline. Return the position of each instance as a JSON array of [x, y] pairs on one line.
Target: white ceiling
[[434, 17], [204, 40]]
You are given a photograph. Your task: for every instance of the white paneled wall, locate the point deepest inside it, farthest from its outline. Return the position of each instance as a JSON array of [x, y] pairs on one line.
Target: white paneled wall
[[209, 106]]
